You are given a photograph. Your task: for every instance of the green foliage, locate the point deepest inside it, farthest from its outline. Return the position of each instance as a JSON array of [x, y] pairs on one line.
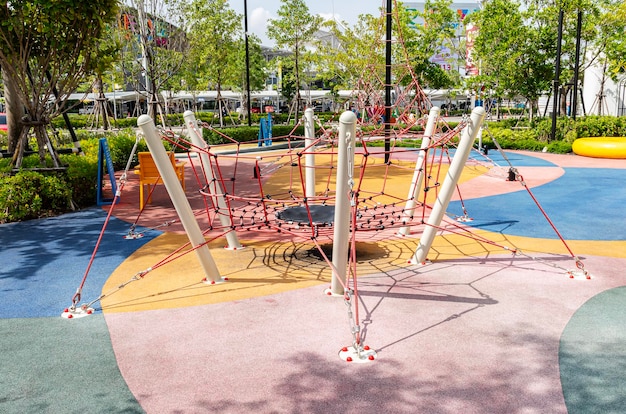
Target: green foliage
[[214, 31], [170, 119], [292, 30], [85, 121], [563, 127], [241, 134], [612, 26], [597, 126], [516, 56], [536, 136], [163, 45], [559, 147], [81, 177], [30, 195], [433, 75], [121, 144], [425, 40], [48, 47], [246, 134]]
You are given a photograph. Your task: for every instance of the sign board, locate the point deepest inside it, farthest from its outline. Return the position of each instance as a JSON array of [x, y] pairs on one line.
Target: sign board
[[104, 160]]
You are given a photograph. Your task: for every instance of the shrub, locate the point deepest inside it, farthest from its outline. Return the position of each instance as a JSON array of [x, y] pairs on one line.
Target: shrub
[[121, 145], [246, 134], [601, 126], [29, 195], [560, 147], [81, 177]]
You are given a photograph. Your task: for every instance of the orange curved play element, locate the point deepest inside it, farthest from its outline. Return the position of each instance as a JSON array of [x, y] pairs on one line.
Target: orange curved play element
[[601, 147]]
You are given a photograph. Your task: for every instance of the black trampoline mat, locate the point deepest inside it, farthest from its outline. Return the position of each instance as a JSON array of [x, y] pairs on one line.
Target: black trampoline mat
[[320, 214]]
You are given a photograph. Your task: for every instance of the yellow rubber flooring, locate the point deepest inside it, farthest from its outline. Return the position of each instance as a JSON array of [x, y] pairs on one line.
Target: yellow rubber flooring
[[270, 265]]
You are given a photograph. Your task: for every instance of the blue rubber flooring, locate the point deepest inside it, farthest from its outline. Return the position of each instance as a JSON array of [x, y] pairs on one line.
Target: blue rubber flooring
[[42, 258], [584, 204], [51, 364], [516, 159]]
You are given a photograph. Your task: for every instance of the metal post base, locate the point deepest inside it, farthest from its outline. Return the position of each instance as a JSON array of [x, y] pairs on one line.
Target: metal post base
[[234, 248], [415, 262], [214, 282], [329, 292]]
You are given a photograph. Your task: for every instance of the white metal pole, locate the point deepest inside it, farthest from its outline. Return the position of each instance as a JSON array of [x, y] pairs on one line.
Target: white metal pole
[[177, 194], [309, 158], [418, 172], [345, 169], [215, 189], [468, 137]]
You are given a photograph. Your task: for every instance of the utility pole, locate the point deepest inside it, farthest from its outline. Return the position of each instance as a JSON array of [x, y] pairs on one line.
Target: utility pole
[[388, 83], [557, 73], [245, 19], [577, 64]]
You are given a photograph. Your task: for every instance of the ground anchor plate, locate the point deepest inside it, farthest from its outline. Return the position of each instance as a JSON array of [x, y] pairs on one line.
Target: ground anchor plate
[[79, 312], [352, 354]]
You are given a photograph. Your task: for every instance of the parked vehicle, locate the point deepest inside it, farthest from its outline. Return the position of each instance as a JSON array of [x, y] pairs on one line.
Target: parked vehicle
[[86, 110]]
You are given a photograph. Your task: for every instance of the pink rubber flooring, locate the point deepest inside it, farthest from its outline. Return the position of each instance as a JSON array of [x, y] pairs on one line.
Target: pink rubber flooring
[[467, 335], [478, 336]]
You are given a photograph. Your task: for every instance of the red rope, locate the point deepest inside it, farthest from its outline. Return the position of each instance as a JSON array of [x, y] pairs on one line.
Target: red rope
[[77, 295], [556, 231]]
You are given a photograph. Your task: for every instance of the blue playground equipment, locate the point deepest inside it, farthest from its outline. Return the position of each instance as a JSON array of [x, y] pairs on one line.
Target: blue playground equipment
[[265, 131]]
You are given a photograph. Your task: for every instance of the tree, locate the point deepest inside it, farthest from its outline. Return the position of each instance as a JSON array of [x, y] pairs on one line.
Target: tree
[[436, 36], [516, 57], [108, 52], [615, 18], [610, 46], [293, 30], [46, 49], [544, 15], [15, 112], [341, 62], [358, 55], [155, 46], [257, 68], [517, 44], [214, 29]]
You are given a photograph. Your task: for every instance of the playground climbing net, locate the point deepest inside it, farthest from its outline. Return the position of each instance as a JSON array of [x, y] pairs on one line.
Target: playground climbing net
[[398, 163], [250, 189]]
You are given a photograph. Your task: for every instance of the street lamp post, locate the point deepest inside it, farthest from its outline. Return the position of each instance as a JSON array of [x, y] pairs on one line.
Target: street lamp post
[[557, 74], [245, 13]]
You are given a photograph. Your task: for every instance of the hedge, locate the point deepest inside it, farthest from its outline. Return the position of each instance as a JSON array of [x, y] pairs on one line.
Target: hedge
[[30, 194]]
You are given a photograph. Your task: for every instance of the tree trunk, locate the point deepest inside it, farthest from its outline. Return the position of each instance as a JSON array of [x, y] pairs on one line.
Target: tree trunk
[[44, 145], [154, 103], [565, 90], [533, 103], [14, 111], [101, 102], [220, 105]]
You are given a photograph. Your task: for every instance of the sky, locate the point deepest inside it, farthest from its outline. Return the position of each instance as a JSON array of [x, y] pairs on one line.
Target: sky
[[260, 11]]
